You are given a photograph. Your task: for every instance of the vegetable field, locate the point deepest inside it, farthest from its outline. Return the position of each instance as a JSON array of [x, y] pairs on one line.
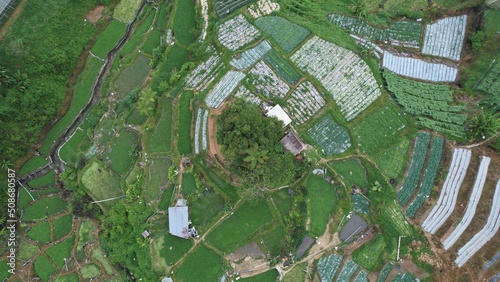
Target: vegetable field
[[244, 93], [226, 7], [223, 88], [282, 67], [287, 34], [203, 72], [379, 129], [331, 137], [328, 266], [400, 33], [206, 262], [262, 8], [351, 171], [370, 254], [133, 76], [108, 39], [490, 82], [385, 272], [123, 151], [445, 37], [303, 102], [250, 56], [393, 161], [237, 32], [266, 81], [347, 271], [101, 183], [343, 73], [360, 204]]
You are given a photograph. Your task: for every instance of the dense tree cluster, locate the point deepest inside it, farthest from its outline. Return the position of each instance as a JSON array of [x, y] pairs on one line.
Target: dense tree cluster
[[252, 142]]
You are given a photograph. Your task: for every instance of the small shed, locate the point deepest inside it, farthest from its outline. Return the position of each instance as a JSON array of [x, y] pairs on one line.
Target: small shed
[[178, 220], [278, 112], [354, 226], [292, 143]]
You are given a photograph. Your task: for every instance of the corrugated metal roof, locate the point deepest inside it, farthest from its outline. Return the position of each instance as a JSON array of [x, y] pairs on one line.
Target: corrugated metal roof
[[178, 221]]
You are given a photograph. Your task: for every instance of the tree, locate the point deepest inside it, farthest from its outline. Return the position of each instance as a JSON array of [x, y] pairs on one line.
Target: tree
[[359, 8], [492, 102], [146, 102], [484, 125], [256, 156]]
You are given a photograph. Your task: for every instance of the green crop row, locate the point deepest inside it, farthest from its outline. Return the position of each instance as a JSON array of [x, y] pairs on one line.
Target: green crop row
[[287, 34], [282, 67]]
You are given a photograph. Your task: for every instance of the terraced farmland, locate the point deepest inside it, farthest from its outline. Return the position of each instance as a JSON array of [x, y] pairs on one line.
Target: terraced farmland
[[331, 137], [287, 34]]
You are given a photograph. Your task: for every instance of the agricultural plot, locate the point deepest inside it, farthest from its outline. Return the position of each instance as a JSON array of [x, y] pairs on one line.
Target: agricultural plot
[[303, 102], [360, 204], [288, 35], [236, 33], [184, 22], [40, 232], [90, 271], [108, 39], [101, 183], [282, 67], [26, 250], [160, 140], [205, 208], [61, 251], [351, 171], [384, 273], [122, 153], [471, 205], [197, 132], [393, 160], [262, 8], [203, 72], [44, 268], [44, 208], [268, 276], [428, 177], [400, 33], [419, 69], [232, 232], [204, 136], [226, 7], [206, 262], [393, 217], [188, 184], [321, 201], [33, 164], [125, 10], [266, 81], [135, 118], [250, 56], [361, 277], [490, 82], [62, 226], [158, 171], [379, 129], [331, 137], [343, 73], [272, 241], [172, 248], [370, 254], [417, 163], [176, 56], [328, 266], [430, 103], [405, 277], [223, 88], [133, 76], [347, 271], [185, 119], [244, 93], [69, 150], [445, 37], [43, 181], [449, 192]]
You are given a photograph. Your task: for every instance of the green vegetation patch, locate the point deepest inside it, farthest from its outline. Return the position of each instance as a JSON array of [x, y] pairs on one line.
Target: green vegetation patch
[[69, 150], [44, 208], [123, 151], [24, 198], [287, 34], [283, 201], [297, 274], [188, 183], [201, 265], [81, 95], [158, 177], [360, 204], [101, 257], [282, 67], [154, 40], [135, 118], [173, 248], [175, 57], [108, 38], [61, 251], [33, 164], [352, 172], [67, 278], [4, 270], [133, 77], [84, 235], [272, 240], [321, 201], [206, 207], [492, 21], [160, 140], [90, 271], [27, 250], [392, 161], [62, 226], [240, 225], [125, 10], [43, 181], [268, 276], [185, 119], [44, 268], [379, 129], [101, 183], [40, 232], [135, 39], [184, 22], [370, 255], [330, 136]]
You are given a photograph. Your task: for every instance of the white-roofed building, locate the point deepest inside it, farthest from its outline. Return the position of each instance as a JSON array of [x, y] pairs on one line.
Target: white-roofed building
[[278, 112], [178, 220]]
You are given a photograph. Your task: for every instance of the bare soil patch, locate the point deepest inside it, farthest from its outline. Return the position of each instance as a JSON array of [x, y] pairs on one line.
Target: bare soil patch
[[94, 15], [251, 250]]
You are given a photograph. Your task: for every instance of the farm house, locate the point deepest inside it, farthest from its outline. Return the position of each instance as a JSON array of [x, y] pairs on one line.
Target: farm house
[[278, 112], [291, 142], [178, 220]]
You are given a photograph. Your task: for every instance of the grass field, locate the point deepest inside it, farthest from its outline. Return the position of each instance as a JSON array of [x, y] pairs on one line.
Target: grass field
[[44, 208], [352, 172], [101, 183], [69, 150], [62, 226], [321, 201], [24, 199], [67, 278], [268, 276], [272, 240], [123, 151], [4, 270], [160, 140], [43, 181], [188, 184], [380, 129], [135, 39], [84, 235], [205, 208], [81, 95], [26, 250], [165, 198], [184, 129], [370, 255], [207, 263], [184, 22], [154, 40], [125, 10], [175, 56], [135, 118], [173, 248], [33, 164], [297, 274], [90, 271], [132, 77], [40, 232], [43, 268], [101, 257], [244, 222], [108, 39], [227, 189], [158, 172], [162, 21], [392, 162], [61, 251]]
